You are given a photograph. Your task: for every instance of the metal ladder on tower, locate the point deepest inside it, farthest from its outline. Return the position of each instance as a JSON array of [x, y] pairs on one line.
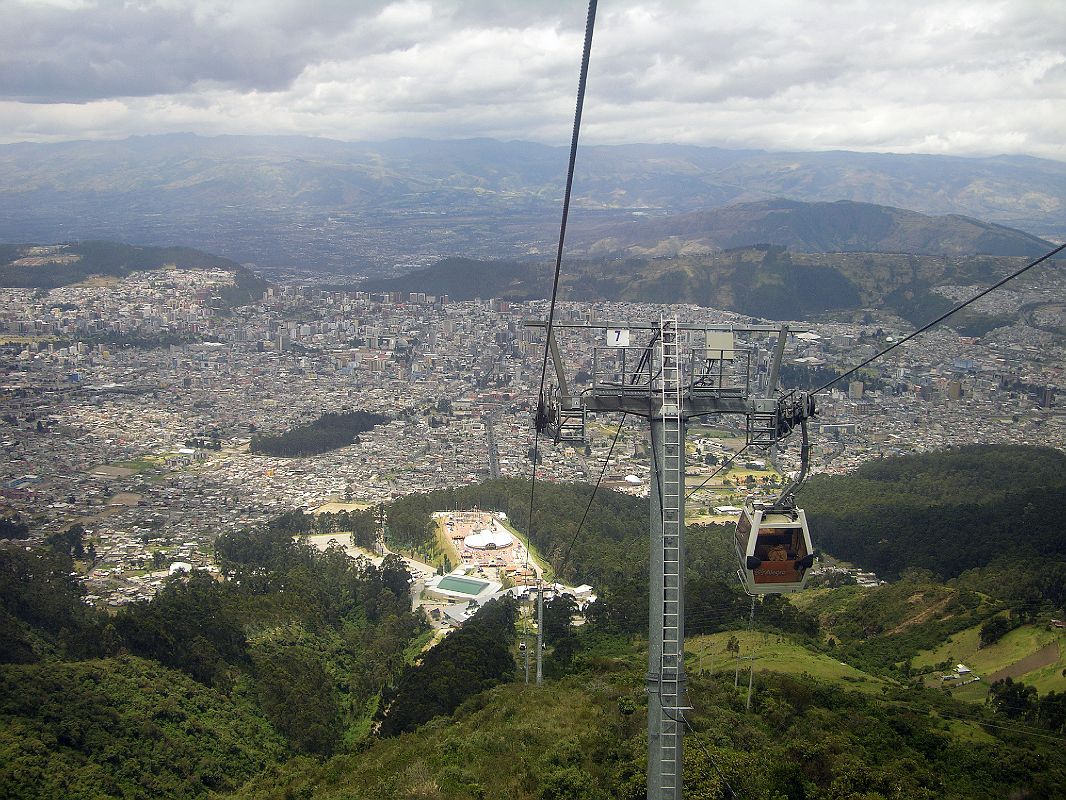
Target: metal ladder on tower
[[673, 470]]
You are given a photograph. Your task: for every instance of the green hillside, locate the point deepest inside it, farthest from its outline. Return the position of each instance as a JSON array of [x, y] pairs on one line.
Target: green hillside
[[124, 727], [979, 512], [292, 678], [1033, 654], [581, 737], [773, 652]]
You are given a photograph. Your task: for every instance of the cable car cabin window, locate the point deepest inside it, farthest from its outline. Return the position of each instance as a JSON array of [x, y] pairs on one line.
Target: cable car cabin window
[[780, 544], [741, 535]]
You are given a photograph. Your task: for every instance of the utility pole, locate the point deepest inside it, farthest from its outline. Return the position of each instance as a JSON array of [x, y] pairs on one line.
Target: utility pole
[[383, 520], [540, 631], [666, 385], [751, 674]]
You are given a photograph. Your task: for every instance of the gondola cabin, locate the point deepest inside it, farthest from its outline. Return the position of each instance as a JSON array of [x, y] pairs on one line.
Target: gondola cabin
[[775, 549]]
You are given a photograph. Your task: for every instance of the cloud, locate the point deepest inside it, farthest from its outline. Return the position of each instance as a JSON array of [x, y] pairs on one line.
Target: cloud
[[982, 76]]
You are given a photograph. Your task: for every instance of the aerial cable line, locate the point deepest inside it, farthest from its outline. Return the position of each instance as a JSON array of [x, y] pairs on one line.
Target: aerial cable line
[[942, 317], [590, 23], [725, 465], [592, 497]]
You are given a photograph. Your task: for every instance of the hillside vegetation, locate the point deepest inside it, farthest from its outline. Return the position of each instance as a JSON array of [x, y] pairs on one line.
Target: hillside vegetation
[[977, 513], [293, 674], [764, 280], [581, 737], [48, 266], [204, 685], [124, 727]]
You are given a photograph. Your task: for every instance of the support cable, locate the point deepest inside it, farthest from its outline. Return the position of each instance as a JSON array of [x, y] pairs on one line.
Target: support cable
[[941, 318], [710, 758], [725, 465], [590, 23], [592, 497]]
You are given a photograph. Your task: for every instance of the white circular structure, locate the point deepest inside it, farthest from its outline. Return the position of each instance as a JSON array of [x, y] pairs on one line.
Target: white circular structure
[[489, 539]]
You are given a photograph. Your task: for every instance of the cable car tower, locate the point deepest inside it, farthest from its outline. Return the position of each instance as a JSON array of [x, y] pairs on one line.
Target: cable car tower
[[680, 372]]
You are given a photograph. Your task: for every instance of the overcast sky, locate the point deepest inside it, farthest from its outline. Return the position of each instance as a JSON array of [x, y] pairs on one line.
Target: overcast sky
[[934, 76]]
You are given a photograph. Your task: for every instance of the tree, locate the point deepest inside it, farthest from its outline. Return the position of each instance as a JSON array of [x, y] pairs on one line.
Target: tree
[[1053, 711], [13, 527], [1014, 700], [297, 695], [69, 542], [994, 630], [396, 576], [557, 614]]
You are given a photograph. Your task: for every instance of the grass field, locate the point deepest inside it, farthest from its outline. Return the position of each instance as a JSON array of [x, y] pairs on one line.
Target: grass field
[[1026, 642], [828, 602], [334, 506], [696, 431], [777, 654]]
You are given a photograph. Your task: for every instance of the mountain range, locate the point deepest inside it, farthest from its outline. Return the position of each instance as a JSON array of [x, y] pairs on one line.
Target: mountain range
[[385, 207]]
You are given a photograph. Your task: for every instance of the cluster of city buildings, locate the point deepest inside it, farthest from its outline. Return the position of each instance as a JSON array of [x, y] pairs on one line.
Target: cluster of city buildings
[[128, 406]]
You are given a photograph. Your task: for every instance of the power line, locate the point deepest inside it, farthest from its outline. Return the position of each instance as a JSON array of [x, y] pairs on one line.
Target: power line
[[724, 466], [595, 488], [942, 317], [590, 23]]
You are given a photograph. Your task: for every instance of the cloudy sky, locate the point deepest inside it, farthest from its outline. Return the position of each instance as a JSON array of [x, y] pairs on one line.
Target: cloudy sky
[[934, 76]]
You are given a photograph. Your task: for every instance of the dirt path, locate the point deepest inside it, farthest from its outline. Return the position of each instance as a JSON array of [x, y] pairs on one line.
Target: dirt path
[[1046, 655], [922, 616]]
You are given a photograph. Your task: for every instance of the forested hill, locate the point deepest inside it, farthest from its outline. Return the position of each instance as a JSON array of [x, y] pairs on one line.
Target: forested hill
[[279, 675], [764, 280], [838, 227], [949, 512], [46, 266]]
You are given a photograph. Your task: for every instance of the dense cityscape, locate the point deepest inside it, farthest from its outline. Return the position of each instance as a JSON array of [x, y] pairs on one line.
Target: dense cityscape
[[129, 405]]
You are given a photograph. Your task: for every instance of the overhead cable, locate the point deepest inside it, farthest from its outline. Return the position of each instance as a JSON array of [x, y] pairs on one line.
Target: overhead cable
[[590, 23], [942, 317]]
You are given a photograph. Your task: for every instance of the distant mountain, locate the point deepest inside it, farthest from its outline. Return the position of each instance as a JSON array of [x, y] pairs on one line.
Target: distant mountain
[[381, 207], [843, 226]]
